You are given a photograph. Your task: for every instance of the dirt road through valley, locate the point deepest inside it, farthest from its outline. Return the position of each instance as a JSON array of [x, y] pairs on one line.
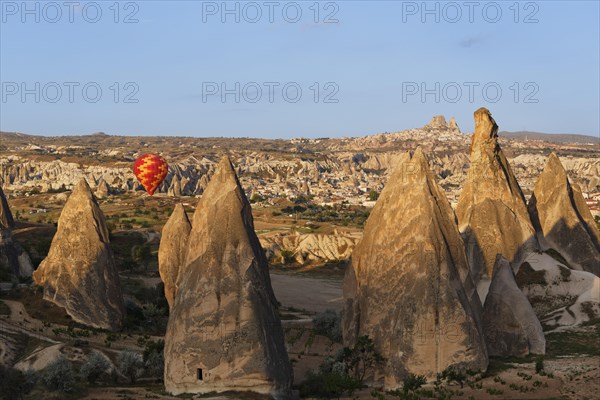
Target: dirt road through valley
[[311, 294]]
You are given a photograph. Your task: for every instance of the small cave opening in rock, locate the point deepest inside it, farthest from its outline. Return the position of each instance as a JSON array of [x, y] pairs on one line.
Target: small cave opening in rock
[[199, 374]]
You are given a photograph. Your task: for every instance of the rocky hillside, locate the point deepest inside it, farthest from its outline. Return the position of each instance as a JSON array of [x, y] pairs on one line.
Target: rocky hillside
[[328, 169]]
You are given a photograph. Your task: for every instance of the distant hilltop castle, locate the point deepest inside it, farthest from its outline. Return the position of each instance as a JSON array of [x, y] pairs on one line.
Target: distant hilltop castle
[[438, 122]]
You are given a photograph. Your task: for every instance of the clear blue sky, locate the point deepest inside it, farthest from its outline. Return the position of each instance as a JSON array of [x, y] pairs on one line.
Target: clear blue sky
[[375, 56]]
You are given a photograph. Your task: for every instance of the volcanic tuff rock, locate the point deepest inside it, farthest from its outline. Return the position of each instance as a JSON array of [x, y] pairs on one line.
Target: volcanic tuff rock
[[382, 161], [563, 220], [6, 217], [13, 258], [438, 121], [23, 174], [172, 250], [103, 190], [79, 272], [224, 331], [405, 287], [175, 188], [310, 247], [326, 173], [438, 124], [561, 297], [453, 125], [491, 211], [510, 325]]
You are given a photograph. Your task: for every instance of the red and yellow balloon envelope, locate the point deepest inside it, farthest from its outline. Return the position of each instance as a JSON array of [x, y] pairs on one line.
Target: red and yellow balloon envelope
[[150, 170]]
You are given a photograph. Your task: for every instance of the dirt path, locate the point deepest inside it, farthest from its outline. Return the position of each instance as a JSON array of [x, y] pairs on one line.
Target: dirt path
[[18, 313], [311, 294], [19, 322], [129, 392]]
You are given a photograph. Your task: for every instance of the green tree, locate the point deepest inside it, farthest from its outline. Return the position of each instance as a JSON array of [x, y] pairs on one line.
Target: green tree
[[111, 226], [287, 256], [413, 382], [451, 374], [141, 254], [539, 365], [14, 384], [328, 323], [152, 347], [343, 373], [95, 365], [328, 384], [59, 375], [362, 357], [131, 364], [373, 195], [410, 385], [155, 365], [153, 316]]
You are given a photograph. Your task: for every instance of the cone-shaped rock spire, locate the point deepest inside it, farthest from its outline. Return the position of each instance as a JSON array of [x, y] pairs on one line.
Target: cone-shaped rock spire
[[405, 287], [492, 214], [510, 325], [172, 250], [6, 217], [224, 331], [79, 272], [563, 220]]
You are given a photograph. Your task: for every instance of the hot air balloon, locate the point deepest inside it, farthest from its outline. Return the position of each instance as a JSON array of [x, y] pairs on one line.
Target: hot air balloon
[[150, 170]]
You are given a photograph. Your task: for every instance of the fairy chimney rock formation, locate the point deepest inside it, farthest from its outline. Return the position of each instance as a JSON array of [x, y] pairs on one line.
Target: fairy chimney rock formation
[[405, 287], [563, 220], [491, 211], [103, 190], [6, 217], [172, 250], [224, 331], [453, 125], [175, 187], [12, 256], [510, 325], [79, 272]]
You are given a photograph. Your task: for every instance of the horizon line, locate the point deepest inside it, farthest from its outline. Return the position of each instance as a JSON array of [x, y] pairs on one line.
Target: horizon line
[[102, 133]]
